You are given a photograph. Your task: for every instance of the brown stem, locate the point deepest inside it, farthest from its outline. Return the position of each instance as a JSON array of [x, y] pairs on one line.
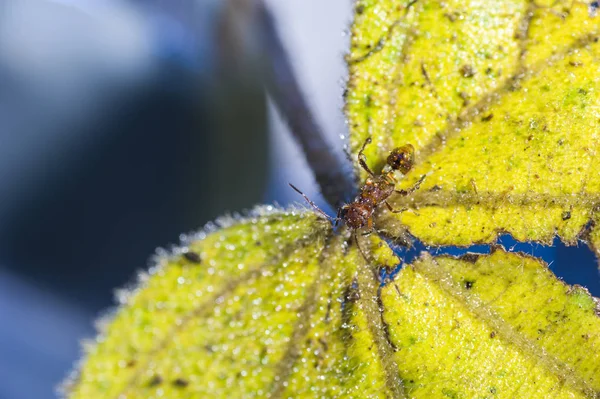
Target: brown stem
[[283, 87]]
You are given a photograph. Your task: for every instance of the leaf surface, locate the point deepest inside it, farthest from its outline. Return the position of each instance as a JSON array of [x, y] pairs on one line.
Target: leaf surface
[[277, 306], [501, 100], [260, 308], [497, 326]]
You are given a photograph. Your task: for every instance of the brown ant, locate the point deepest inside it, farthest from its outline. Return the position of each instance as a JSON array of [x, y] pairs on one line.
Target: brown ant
[[376, 190]]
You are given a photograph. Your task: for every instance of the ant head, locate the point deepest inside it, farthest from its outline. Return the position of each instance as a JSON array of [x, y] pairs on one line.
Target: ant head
[[402, 158], [356, 215]]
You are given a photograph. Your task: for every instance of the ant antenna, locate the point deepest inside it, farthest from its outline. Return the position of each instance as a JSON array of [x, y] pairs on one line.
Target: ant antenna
[[313, 204]]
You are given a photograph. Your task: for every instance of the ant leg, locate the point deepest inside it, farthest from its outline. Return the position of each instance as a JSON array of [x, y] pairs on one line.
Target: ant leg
[[362, 159], [360, 249], [392, 209], [370, 227], [413, 188], [339, 214], [312, 203]]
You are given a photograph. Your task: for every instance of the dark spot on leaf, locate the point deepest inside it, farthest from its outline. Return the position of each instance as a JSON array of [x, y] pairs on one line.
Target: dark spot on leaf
[[180, 383], [470, 257], [493, 334], [328, 313], [493, 390], [130, 363], [324, 344], [487, 118], [450, 393], [155, 381], [566, 215], [467, 71], [465, 97], [514, 84], [360, 9], [469, 284], [192, 257], [452, 16], [575, 63], [352, 294], [209, 348]]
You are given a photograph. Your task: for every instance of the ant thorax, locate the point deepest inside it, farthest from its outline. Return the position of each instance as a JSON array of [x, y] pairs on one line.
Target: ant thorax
[[388, 170], [376, 189]]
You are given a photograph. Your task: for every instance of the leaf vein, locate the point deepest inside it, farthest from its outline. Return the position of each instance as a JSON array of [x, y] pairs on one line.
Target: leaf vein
[[285, 366], [431, 270], [456, 126], [208, 305], [368, 286]]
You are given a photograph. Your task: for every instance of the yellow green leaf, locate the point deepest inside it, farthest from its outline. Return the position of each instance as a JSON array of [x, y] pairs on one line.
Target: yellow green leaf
[[267, 306], [497, 326], [278, 306], [501, 100]]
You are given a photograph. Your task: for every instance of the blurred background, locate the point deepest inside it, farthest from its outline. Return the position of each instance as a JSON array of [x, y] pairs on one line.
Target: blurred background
[[126, 123]]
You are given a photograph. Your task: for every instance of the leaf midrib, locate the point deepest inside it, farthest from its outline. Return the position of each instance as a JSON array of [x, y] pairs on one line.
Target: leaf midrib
[[206, 306], [489, 99], [430, 269], [369, 293]]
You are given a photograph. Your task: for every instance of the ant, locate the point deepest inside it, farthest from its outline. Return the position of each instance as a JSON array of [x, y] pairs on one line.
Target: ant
[[376, 190]]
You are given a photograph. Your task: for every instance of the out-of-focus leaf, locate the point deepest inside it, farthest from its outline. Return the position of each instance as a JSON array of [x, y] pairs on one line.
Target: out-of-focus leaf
[[268, 306], [501, 100], [277, 306]]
